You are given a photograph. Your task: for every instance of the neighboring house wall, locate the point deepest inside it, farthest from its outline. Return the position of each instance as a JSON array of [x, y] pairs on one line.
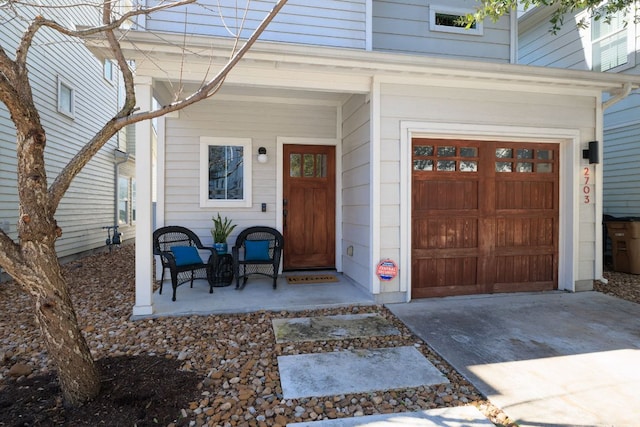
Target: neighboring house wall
[[89, 202], [405, 26], [337, 23], [233, 119], [572, 47], [356, 192]]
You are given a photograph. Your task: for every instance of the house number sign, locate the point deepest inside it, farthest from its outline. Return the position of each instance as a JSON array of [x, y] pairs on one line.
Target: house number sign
[[586, 185], [387, 270]]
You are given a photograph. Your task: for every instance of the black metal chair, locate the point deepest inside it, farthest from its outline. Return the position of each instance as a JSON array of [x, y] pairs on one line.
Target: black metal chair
[[257, 250], [171, 243]]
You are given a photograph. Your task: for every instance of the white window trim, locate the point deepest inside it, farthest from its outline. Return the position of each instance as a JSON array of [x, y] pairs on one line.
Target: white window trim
[[108, 65], [631, 43], [434, 9], [246, 143], [69, 113]]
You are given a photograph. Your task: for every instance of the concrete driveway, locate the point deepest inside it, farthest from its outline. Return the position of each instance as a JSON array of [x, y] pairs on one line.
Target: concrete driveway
[[546, 359]]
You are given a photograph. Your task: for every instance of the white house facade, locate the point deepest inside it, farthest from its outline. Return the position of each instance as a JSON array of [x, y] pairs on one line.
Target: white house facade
[[441, 154]]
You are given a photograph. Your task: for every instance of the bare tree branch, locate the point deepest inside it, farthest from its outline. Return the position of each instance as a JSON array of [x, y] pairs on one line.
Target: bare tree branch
[[125, 118], [115, 24]]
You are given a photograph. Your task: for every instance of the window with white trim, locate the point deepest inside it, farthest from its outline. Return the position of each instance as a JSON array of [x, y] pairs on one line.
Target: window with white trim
[[108, 70], [123, 200], [225, 172], [609, 41], [450, 20], [66, 98]]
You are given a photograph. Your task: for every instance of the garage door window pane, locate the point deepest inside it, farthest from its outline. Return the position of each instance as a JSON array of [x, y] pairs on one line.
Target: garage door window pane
[[545, 154], [503, 166], [446, 165], [446, 152], [423, 165], [524, 167], [544, 168], [468, 166], [504, 153], [468, 152], [524, 153], [423, 150]]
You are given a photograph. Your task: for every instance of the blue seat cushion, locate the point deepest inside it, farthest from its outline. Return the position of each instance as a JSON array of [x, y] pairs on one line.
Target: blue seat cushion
[[186, 255], [256, 250]]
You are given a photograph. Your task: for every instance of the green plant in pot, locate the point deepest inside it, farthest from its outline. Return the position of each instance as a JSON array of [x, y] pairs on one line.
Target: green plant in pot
[[222, 228]]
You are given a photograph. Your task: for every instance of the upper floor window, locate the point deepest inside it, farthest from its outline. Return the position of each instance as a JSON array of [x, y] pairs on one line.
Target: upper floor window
[[108, 71], [451, 20], [225, 172], [609, 42], [66, 98]]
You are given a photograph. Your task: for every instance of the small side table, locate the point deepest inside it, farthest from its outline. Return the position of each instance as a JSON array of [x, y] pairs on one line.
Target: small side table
[[221, 274]]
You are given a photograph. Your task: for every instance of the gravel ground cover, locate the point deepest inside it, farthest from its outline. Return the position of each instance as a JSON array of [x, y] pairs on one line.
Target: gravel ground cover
[[218, 370]]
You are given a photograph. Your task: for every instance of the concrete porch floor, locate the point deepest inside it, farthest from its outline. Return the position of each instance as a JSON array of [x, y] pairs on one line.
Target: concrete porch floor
[[257, 295]]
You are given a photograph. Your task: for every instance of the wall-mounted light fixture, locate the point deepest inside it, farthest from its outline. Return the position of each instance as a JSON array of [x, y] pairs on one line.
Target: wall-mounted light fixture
[[591, 153], [262, 155]]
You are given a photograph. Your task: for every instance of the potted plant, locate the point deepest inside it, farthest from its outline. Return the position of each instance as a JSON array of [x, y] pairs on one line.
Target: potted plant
[[222, 228]]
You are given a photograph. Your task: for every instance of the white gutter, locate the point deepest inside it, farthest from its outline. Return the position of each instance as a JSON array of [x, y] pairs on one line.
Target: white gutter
[[624, 92]]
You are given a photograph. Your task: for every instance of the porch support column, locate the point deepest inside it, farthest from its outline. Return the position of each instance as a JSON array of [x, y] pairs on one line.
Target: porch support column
[[144, 213]]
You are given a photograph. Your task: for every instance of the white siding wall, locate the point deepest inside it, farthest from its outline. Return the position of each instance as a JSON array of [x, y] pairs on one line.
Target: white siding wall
[[356, 191], [403, 26], [481, 107], [263, 123], [88, 204], [338, 23]]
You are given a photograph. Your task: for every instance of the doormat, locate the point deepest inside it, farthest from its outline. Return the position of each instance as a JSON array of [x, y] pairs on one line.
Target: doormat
[[311, 278]]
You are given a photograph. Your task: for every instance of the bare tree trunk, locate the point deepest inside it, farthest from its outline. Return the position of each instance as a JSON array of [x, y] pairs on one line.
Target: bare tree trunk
[[77, 373]]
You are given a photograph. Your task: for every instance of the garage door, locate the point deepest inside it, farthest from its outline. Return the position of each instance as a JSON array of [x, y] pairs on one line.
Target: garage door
[[484, 217]]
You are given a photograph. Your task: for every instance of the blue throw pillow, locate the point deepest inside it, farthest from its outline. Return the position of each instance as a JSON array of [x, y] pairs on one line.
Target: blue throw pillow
[[256, 250], [186, 255]]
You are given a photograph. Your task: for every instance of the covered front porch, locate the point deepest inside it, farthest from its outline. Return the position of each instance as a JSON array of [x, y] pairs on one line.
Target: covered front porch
[[257, 295]]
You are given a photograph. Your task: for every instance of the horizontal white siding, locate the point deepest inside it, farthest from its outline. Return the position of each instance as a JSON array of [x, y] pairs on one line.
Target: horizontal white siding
[[403, 26], [356, 191], [336, 23], [478, 106], [621, 177], [89, 203], [263, 123]]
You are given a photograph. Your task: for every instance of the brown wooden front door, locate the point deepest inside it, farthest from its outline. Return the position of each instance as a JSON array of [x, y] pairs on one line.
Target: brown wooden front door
[[484, 217], [309, 203]]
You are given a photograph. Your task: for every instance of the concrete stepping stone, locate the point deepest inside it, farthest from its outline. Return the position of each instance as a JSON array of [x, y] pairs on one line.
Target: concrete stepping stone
[[355, 371], [460, 416], [324, 328]]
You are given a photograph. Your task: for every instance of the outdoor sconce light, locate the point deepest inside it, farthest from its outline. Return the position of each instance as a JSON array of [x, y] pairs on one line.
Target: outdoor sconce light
[[262, 155], [591, 153]]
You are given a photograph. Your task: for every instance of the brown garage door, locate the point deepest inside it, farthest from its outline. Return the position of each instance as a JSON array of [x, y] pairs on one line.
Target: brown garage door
[[484, 217]]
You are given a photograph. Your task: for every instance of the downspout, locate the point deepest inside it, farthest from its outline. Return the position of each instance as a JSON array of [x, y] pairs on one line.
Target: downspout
[[513, 45], [120, 157]]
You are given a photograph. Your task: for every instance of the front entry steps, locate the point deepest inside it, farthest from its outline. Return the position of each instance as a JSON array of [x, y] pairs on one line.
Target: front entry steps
[[361, 371], [355, 371]]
